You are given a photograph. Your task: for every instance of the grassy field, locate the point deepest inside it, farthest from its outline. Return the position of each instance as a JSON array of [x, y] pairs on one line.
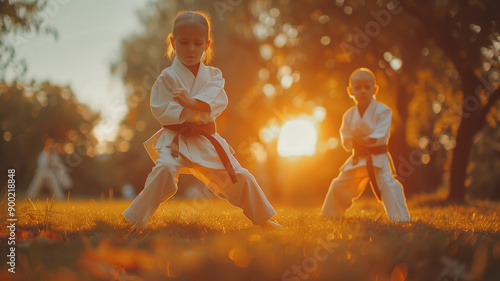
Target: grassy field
[[211, 240]]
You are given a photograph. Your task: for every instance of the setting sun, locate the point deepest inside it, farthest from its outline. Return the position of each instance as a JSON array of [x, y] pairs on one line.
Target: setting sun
[[297, 137]]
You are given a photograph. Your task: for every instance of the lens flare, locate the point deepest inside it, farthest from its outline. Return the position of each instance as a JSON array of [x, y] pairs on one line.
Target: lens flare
[[297, 137]]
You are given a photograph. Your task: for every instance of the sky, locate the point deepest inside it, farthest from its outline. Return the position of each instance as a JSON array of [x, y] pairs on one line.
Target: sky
[[90, 37]]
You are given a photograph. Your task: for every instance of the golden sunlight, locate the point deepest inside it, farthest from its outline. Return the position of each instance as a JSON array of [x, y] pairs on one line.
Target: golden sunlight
[[297, 137]]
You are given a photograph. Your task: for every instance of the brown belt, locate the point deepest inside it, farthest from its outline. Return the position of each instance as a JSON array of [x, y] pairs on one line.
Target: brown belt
[[365, 151], [190, 129]]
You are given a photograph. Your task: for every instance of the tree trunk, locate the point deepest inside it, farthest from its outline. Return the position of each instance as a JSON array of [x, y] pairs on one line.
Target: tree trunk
[[473, 119], [398, 145], [458, 172], [469, 126]]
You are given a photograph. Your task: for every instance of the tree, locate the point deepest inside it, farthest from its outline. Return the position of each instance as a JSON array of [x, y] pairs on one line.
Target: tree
[[467, 32], [19, 21]]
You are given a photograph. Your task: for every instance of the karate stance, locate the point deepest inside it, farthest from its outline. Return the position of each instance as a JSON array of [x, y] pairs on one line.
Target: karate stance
[[51, 173], [365, 132], [186, 98]]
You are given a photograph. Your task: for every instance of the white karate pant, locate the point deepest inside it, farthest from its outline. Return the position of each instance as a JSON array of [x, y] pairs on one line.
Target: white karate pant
[[161, 184], [45, 178], [350, 184]]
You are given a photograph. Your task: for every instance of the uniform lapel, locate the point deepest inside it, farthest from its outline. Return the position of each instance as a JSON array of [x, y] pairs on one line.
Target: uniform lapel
[[369, 118], [355, 117], [366, 124], [201, 79], [184, 74]]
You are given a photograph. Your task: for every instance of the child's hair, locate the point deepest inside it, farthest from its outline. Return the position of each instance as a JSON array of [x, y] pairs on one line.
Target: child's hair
[[362, 69], [183, 18]]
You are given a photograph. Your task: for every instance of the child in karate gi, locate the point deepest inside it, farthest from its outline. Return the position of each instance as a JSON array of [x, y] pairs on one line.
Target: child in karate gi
[[186, 98], [365, 132], [51, 173]]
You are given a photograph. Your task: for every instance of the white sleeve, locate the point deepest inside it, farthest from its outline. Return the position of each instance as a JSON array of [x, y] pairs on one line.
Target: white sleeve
[[212, 94], [346, 132], [164, 108], [382, 126]]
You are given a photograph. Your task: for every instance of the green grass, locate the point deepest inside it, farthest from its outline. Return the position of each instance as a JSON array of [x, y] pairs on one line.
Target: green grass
[[211, 240]]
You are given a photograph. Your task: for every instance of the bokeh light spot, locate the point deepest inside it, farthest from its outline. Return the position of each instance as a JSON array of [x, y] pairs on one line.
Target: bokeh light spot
[[260, 32], [286, 81], [280, 40], [266, 51], [319, 113], [69, 148], [324, 19], [325, 40], [396, 63], [259, 152], [423, 142], [123, 146], [333, 143], [436, 107], [7, 136], [264, 74], [269, 90], [274, 12], [426, 158], [140, 126]]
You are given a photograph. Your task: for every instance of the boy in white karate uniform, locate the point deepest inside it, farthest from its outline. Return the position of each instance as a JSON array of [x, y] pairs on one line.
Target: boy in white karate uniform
[[365, 132], [186, 98]]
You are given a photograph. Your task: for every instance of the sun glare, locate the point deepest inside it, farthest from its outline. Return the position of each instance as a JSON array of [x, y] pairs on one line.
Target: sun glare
[[297, 137]]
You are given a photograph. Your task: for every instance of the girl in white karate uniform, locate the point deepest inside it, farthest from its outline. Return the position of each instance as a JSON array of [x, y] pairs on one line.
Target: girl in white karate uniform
[[186, 98], [365, 132]]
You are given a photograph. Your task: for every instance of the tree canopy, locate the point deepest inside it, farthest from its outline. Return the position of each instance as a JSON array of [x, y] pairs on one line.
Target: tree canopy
[[19, 22]]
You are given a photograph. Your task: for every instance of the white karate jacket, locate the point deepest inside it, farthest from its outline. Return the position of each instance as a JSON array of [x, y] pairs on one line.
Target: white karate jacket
[[376, 123], [208, 87]]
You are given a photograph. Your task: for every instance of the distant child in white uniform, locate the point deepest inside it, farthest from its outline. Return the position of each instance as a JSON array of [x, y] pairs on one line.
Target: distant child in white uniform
[[186, 98], [50, 173], [365, 132]]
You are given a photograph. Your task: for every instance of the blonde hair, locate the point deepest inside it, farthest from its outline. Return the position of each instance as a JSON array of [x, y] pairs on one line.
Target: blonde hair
[[187, 17], [362, 69]]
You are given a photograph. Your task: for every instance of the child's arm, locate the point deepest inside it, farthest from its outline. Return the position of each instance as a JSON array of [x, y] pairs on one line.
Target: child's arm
[[213, 94], [164, 108], [216, 107], [346, 133], [181, 97], [380, 133]]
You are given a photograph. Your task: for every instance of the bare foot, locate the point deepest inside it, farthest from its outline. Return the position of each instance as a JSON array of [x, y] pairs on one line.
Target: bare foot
[[272, 224]]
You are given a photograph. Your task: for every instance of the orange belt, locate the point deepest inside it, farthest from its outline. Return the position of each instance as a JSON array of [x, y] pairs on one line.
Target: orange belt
[[365, 151], [190, 129]]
